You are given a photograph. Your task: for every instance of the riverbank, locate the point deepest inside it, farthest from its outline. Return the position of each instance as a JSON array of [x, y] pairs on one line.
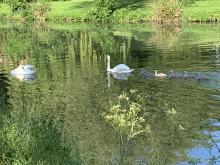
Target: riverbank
[[80, 11]]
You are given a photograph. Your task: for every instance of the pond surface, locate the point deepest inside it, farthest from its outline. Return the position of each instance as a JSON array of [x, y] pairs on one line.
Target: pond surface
[[66, 115]]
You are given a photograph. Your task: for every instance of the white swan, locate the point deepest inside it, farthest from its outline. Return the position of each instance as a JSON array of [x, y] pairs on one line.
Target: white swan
[[121, 68], [159, 74], [24, 70]]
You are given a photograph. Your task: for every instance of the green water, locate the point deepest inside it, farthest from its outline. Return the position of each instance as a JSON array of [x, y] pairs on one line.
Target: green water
[[60, 116]]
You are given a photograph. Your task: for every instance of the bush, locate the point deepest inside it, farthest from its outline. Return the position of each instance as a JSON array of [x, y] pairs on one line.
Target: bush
[[166, 11], [40, 11], [102, 9], [18, 5]]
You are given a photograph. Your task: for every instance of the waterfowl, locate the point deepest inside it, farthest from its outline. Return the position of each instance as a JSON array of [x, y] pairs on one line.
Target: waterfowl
[[121, 68], [171, 74], [24, 70], [188, 75], [145, 73], [159, 74], [199, 78]]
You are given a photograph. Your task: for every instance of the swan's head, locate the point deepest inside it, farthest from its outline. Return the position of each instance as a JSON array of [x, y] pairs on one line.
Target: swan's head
[[108, 57], [171, 71]]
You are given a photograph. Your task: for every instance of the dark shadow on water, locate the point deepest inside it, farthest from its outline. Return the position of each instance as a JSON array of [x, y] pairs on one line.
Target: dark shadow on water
[[4, 83]]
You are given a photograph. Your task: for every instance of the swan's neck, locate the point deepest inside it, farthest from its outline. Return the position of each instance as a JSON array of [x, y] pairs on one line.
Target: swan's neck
[[108, 65], [20, 67], [155, 72]]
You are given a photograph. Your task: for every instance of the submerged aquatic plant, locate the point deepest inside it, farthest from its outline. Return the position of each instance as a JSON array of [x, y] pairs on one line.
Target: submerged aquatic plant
[[127, 116]]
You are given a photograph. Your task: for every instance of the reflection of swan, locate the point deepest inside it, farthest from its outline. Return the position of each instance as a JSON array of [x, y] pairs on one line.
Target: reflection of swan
[[24, 70], [109, 80], [119, 76], [159, 74], [121, 68], [26, 77]]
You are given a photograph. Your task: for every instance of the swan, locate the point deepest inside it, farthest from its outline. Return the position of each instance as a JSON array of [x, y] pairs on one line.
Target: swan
[[159, 74], [199, 78], [24, 70], [188, 75], [171, 74], [121, 68], [145, 73]]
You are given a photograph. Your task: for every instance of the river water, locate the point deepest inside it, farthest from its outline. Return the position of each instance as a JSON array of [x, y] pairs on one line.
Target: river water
[[65, 114]]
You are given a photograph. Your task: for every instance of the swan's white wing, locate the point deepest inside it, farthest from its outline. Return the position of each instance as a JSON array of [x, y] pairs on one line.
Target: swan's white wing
[[122, 68], [27, 70]]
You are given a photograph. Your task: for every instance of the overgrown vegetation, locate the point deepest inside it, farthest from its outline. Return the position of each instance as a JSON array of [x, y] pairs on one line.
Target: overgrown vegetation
[[167, 11], [162, 11], [127, 115], [40, 11], [102, 9]]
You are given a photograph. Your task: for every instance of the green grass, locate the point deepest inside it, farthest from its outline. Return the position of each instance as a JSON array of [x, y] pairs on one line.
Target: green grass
[[203, 10], [125, 11], [140, 11], [70, 10]]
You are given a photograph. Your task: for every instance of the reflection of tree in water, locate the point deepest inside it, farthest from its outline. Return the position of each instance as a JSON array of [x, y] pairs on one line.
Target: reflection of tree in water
[[166, 37], [216, 53]]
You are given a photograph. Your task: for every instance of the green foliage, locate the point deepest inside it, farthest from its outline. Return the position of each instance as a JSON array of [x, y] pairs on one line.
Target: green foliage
[[127, 116], [18, 5], [102, 9], [32, 141]]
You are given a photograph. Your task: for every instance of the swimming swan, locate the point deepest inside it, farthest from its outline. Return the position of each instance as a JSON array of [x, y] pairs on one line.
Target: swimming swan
[[121, 68], [159, 74], [24, 70]]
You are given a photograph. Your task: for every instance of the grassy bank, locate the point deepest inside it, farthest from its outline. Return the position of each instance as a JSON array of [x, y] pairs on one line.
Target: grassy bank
[[203, 10], [129, 11]]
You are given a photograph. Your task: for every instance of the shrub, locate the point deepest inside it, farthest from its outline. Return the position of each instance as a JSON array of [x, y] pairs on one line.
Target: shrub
[[166, 11], [127, 115], [18, 5], [102, 9], [40, 11]]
